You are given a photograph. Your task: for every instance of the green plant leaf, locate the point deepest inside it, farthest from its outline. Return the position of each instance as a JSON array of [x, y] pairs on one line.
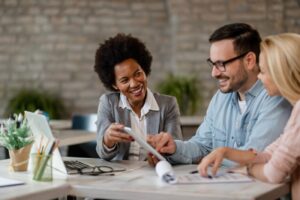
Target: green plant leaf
[[13, 137], [32, 100], [185, 90]]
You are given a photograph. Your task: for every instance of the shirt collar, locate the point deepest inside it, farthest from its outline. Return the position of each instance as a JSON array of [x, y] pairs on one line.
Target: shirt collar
[[252, 92], [150, 103], [256, 88]]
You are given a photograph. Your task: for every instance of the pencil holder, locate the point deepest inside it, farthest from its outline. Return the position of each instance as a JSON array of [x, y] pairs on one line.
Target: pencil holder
[[42, 167]]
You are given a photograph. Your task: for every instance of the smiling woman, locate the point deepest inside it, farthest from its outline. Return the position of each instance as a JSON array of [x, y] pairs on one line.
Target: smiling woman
[[123, 65], [131, 81]]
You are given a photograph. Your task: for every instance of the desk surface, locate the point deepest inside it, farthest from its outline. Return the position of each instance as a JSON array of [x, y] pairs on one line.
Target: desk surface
[[31, 189], [70, 137], [140, 183], [143, 183]]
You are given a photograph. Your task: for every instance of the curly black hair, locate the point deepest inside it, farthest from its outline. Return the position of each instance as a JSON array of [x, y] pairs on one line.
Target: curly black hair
[[114, 51]]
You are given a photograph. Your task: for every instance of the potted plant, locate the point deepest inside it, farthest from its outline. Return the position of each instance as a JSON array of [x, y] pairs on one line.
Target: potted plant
[[185, 90], [16, 136]]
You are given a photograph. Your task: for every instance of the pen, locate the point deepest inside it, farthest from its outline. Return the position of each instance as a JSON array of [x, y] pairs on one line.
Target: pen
[[209, 176], [196, 171], [41, 168]]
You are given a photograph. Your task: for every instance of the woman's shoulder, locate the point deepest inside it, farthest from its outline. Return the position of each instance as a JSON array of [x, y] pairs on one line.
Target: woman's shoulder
[[163, 97], [110, 96]]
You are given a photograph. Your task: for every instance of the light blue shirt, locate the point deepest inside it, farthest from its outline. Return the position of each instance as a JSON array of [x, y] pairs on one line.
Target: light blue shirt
[[225, 125]]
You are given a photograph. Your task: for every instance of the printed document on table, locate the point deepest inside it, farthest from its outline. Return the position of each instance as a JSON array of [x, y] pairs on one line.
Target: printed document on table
[[224, 178], [9, 182]]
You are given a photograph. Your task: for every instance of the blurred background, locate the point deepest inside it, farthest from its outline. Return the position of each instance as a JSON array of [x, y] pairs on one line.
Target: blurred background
[[49, 45]]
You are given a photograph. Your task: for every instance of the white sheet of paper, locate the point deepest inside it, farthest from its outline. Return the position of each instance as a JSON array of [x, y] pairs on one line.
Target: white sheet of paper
[[143, 143], [224, 178], [9, 182]]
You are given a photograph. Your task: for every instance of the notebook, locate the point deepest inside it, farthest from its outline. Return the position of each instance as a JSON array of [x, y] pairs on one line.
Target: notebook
[[42, 132]]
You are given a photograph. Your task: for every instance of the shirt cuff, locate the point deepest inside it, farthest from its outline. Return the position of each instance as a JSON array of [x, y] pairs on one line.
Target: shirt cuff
[[178, 157], [107, 149]]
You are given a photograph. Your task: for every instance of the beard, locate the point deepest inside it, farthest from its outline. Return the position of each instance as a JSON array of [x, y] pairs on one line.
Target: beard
[[235, 81]]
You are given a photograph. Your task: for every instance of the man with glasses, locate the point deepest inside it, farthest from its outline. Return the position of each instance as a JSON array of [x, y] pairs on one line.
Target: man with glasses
[[241, 114]]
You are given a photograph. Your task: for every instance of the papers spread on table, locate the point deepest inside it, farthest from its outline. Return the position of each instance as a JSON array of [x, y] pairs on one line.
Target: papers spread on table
[[224, 178], [166, 173], [4, 182]]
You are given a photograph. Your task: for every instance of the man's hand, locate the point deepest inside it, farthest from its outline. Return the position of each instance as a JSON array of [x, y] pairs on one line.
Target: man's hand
[[163, 143]]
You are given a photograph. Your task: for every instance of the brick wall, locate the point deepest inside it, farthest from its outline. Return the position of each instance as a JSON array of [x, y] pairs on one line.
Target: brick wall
[[50, 44]]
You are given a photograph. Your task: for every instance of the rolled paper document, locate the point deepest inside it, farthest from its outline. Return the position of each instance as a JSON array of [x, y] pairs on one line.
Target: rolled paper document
[[165, 172], [143, 143]]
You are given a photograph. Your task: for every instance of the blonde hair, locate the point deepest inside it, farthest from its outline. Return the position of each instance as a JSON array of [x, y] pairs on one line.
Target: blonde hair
[[282, 53]]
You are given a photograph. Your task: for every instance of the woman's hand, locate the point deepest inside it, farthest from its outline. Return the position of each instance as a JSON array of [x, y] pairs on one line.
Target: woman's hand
[[115, 134], [215, 159]]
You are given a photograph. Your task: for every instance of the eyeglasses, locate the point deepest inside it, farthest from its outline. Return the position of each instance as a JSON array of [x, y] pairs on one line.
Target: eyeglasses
[[99, 170], [220, 65], [85, 169]]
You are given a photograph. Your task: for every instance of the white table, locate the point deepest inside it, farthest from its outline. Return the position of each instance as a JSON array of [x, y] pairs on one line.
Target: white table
[[143, 183], [140, 183], [31, 190]]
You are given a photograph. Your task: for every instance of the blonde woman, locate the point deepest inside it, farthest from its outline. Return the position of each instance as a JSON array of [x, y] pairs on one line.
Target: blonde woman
[[280, 74]]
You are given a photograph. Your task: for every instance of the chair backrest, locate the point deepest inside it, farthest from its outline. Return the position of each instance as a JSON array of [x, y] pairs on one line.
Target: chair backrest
[[84, 122]]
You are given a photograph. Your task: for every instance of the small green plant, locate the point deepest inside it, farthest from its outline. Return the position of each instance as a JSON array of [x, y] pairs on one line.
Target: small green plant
[[185, 90], [15, 133], [32, 100]]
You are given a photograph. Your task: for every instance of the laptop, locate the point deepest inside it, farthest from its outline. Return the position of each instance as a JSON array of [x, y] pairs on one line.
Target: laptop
[[42, 134]]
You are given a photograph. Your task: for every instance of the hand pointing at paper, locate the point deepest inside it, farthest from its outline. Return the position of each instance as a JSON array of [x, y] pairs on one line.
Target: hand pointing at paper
[[163, 143]]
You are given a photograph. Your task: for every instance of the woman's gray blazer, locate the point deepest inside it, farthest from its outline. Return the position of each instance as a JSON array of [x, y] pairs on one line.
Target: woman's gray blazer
[[167, 119]]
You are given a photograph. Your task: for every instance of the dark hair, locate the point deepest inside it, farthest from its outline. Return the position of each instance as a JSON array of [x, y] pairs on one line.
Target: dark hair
[[245, 37], [117, 49]]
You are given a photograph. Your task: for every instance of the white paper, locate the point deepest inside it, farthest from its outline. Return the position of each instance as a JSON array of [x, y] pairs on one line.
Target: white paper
[[9, 182], [224, 178], [143, 143], [165, 172]]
